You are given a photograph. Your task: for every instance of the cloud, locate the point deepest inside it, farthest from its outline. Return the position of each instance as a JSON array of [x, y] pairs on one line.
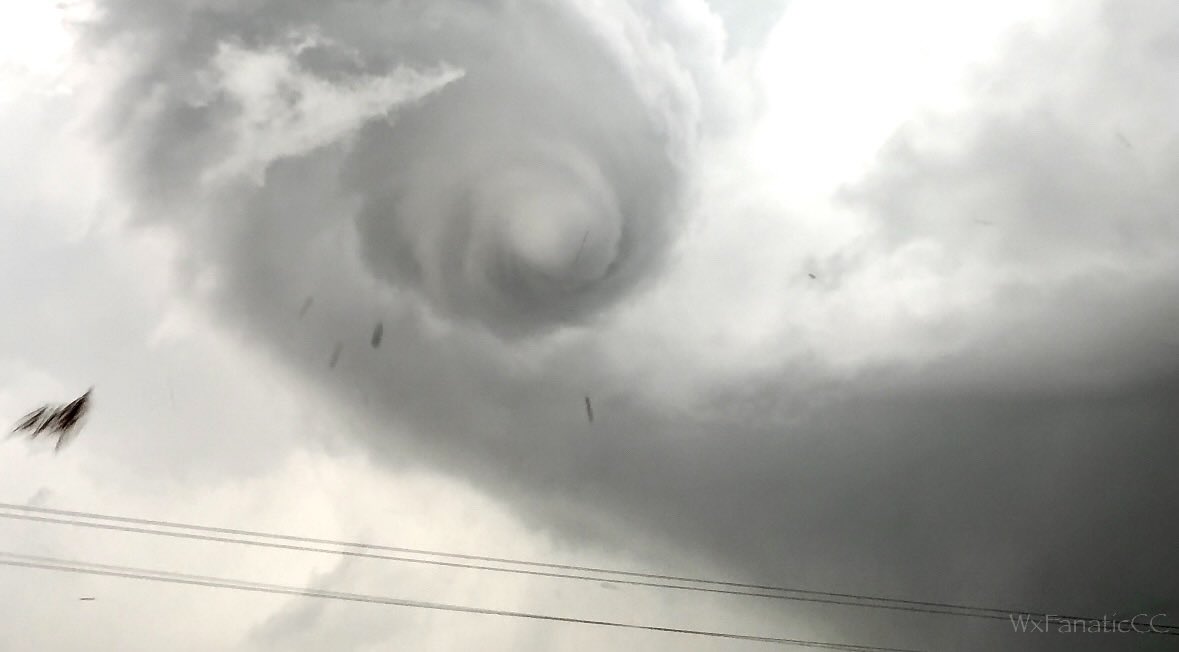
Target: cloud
[[519, 193], [533, 192], [1038, 206]]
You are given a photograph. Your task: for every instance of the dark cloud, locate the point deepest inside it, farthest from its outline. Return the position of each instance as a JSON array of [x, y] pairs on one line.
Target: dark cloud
[[1030, 464]]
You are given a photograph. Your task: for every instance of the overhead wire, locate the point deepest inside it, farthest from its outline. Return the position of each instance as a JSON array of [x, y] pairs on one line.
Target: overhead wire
[[480, 567], [110, 570], [563, 571]]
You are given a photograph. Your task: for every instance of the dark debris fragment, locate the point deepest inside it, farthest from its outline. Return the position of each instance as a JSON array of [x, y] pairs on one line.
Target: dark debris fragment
[[310, 301], [60, 420], [378, 334]]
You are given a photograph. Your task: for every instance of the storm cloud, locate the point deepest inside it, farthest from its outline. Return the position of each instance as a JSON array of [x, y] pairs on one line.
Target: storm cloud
[[969, 403]]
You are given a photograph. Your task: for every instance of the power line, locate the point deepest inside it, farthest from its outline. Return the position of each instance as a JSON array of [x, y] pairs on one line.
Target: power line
[[434, 562], [569, 571], [109, 570], [502, 560]]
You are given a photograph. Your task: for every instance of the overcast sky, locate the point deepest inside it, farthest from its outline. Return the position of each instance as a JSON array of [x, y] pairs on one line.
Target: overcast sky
[[873, 298]]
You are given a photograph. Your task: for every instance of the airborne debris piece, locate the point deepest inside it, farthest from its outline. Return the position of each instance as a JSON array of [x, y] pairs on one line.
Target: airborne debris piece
[[589, 409], [378, 334], [306, 306], [811, 275], [1125, 141], [60, 420], [86, 599], [580, 247], [339, 348]]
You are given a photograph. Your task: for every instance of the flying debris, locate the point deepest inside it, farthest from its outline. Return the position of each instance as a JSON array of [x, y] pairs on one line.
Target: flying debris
[[306, 306], [86, 599], [60, 420], [580, 247], [378, 334], [811, 275], [1125, 141], [589, 409], [336, 355]]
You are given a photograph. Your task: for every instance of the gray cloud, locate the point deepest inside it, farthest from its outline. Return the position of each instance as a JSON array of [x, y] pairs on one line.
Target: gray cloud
[[534, 191], [513, 193]]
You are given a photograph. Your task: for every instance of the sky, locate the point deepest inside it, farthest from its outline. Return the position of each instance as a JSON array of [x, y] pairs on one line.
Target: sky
[[868, 298]]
